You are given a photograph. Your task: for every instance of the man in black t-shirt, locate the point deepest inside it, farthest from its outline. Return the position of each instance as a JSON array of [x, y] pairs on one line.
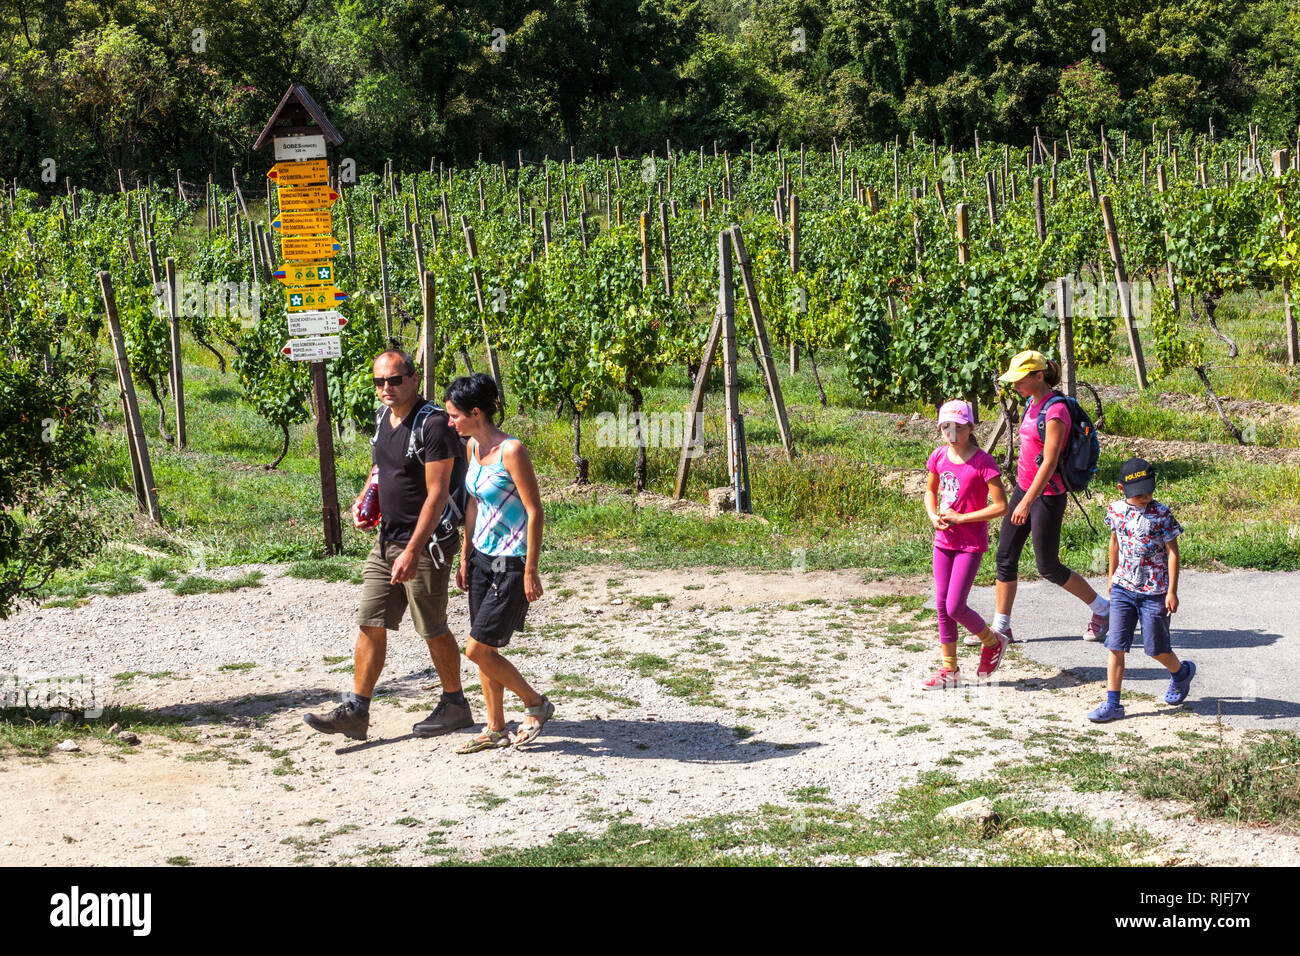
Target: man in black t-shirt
[[421, 460]]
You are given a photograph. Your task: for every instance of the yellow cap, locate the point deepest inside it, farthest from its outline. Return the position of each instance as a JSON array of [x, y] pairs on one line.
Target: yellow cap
[[1022, 364]]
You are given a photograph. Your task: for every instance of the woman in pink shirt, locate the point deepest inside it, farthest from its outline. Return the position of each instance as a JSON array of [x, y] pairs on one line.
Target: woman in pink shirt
[[1038, 501], [962, 479]]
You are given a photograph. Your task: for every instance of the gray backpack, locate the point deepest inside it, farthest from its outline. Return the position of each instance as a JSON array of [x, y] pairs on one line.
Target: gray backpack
[[453, 514]]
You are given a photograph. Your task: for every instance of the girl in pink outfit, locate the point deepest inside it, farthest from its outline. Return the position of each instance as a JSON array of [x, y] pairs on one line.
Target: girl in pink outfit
[[962, 480]]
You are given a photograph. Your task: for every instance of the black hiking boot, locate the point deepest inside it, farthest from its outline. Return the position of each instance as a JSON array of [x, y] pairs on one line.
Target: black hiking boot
[[445, 718], [343, 719]]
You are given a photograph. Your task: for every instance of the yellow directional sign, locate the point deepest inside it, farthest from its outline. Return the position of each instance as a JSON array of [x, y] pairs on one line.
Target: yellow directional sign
[[305, 273], [309, 248], [304, 223], [313, 298], [311, 172], [306, 198]]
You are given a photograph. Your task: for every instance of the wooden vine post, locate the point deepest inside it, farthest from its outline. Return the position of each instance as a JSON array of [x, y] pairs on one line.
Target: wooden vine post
[[383, 283], [794, 270], [177, 372], [1281, 162], [428, 348], [766, 362], [731, 383], [141, 469], [1125, 300], [471, 248], [643, 218], [668, 255]]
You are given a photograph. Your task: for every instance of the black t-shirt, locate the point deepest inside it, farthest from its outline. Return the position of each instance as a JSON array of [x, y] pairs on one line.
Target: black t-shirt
[[402, 487]]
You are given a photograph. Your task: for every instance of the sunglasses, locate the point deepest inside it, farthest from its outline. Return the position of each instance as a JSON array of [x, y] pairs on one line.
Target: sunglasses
[[393, 380]]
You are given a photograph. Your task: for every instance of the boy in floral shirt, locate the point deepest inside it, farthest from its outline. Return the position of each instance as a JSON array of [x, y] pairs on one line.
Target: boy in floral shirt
[[1143, 585]]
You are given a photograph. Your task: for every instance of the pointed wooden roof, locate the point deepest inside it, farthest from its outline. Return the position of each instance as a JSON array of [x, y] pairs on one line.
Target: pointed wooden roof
[[298, 108]]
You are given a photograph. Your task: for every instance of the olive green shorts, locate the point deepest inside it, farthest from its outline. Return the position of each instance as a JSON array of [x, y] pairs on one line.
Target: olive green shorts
[[382, 603]]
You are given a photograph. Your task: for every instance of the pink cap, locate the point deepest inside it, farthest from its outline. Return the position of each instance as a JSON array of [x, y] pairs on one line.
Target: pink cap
[[956, 411]]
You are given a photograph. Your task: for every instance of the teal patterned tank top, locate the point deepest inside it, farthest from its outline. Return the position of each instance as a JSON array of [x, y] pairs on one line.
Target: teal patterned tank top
[[501, 525]]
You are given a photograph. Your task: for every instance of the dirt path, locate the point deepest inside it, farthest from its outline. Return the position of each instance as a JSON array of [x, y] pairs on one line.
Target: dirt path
[[681, 695]]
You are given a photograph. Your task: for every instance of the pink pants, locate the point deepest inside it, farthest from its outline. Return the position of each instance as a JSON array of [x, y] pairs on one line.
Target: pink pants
[[954, 573]]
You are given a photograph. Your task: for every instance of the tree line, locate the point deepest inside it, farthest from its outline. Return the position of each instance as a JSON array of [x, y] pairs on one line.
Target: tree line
[[154, 85]]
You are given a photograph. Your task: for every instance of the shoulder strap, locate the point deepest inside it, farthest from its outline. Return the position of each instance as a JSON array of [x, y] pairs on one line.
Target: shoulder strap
[[1051, 400], [501, 458], [379, 419], [417, 427]]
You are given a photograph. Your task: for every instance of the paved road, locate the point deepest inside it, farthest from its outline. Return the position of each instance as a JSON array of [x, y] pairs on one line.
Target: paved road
[[1241, 628]]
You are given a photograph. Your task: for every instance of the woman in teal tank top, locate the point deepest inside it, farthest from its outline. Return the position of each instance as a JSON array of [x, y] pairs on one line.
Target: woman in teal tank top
[[499, 557]]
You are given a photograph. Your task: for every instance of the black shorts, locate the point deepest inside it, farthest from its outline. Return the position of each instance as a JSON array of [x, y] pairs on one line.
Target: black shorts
[[497, 605]]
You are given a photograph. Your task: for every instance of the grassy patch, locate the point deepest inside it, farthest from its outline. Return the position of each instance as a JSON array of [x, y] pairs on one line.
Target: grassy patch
[[904, 832], [811, 794], [326, 570], [28, 731], [482, 798], [578, 686], [694, 684], [1259, 782], [647, 664], [193, 584]]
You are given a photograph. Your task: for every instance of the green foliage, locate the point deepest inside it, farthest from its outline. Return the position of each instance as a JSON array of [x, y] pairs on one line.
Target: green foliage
[[1175, 348], [1087, 97], [47, 393], [116, 85]]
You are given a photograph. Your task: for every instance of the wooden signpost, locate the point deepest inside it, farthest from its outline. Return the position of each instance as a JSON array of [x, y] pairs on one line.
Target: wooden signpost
[[300, 131]]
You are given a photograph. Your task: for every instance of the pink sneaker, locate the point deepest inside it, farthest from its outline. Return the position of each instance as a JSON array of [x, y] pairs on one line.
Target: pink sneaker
[[1097, 628], [991, 657], [942, 679]]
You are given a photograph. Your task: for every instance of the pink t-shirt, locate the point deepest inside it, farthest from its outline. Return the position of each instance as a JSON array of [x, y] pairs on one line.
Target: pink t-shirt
[[1031, 446], [964, 487]]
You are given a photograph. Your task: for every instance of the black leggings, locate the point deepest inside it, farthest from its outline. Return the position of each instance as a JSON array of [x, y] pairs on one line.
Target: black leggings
[[1044, 525]]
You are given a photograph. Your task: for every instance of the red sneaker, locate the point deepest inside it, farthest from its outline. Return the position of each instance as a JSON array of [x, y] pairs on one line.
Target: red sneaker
[[991, 657], [942, 679], [1097, 627]]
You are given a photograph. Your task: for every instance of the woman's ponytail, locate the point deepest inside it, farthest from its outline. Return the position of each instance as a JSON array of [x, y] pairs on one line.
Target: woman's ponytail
[[1052, 374]]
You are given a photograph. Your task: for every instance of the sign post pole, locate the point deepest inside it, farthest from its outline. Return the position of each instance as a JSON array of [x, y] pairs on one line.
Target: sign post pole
[[300, 132], [328, 479]]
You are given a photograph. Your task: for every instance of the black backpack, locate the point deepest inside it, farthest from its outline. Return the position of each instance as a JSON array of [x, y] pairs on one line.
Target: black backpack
[[453, 513], [1078, 462]]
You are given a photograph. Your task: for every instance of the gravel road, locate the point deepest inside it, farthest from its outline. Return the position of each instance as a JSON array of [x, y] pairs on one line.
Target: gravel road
[[681, 695]]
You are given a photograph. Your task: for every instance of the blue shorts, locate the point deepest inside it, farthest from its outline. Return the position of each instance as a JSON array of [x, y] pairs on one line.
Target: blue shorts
[[1127, 608]]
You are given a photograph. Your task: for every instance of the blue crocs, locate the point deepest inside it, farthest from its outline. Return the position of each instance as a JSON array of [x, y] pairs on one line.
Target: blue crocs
[[1177, 690], [1106, 713]]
